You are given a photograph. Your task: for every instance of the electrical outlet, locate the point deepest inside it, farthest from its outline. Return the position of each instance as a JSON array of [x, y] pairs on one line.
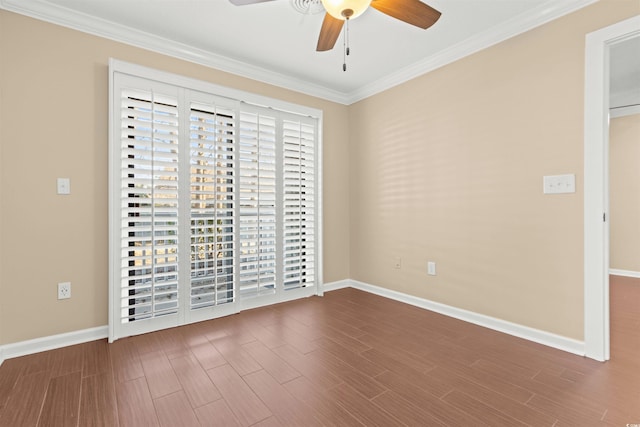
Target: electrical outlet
[[397, 262], [64, 290], [64, 186]]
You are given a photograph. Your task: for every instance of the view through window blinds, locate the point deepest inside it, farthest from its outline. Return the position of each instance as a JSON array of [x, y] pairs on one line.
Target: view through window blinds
[[298, 204], [212, 160], [258, 240], [213, 203], [149, 218]]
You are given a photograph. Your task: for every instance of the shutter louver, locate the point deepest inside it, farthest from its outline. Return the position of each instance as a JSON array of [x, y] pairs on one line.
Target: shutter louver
[[212, 135], [299, 184], [149, 205], [257, 204]]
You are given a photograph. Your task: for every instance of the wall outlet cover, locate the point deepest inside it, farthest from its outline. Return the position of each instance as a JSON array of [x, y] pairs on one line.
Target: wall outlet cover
[[64, 290]]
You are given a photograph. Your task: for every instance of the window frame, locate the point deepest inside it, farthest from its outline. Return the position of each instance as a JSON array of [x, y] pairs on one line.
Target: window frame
[[250, 100]]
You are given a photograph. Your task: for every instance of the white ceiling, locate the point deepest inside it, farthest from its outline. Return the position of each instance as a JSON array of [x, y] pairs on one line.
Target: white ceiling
[[274, 43]]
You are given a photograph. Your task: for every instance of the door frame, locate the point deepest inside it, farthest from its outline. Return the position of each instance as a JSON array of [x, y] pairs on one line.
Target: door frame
[[596, 184]]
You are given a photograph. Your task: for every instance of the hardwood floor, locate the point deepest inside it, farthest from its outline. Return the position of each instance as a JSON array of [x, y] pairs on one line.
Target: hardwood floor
[[347, 359]]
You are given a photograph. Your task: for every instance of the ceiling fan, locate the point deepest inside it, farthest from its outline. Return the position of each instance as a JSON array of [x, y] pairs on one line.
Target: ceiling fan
[[413, 12]]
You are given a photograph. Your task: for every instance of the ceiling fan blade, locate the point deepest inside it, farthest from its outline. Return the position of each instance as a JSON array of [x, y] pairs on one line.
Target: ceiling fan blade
[[413, 12], [246, 2], [329, 33]]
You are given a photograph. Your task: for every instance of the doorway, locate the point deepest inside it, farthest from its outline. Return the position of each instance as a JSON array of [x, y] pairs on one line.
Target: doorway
[[596, 176]]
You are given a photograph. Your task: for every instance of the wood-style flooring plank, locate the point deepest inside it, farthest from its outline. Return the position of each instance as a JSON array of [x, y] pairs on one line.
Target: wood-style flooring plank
[[208, 356], [270, 338], [271, 362], [125, 360], [361, 408], [361, 382], [135, 406], [62, 402], [236, 355], [10, 371], [96, 358], [159, 374], [564, 410], [501, 402], [175, 410], [147, 343], [269, 422], [493, 382], [421, 398], [98, 406], [234, 328], [67, 360], [194, 380], [476, 408], [318, 375], [301, 342], [353, 359], [216, 414], [288, 409], [395, 362], [326, 410], [406, 412], [173, 342], [245, 405], [25, 400], [38, 362]]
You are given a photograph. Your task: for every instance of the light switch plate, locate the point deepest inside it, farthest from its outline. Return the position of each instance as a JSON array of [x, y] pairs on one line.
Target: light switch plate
[[431, 268], [559, 184]]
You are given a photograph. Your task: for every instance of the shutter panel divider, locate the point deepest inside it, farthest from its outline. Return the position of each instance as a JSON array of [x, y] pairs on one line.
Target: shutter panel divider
[[280, 203], [185, 203]]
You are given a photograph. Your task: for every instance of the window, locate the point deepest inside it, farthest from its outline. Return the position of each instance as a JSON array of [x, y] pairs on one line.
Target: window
[[214, 201]]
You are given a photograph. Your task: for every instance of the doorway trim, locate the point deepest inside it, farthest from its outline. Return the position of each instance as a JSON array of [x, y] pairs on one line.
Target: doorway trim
[[596, 184]]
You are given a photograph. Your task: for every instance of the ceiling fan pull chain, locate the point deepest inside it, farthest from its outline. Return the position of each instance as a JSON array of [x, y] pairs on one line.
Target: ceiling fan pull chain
[[345, 45], [348, 50]]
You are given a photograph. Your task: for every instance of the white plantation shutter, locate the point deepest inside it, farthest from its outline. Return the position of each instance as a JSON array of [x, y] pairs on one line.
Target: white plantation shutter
[[213, 183], [213, 202], [299, 191], [149, 144], [257, 203]]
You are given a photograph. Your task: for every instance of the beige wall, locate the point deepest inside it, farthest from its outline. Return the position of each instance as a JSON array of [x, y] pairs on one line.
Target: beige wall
[[448, 167], [624, 197], [53, 87]]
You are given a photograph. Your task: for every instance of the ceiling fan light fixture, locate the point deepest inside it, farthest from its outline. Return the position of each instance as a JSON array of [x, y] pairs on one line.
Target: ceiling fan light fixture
[[345, 9]]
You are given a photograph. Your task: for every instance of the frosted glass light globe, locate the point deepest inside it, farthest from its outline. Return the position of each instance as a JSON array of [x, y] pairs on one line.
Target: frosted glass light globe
[[343, 9]]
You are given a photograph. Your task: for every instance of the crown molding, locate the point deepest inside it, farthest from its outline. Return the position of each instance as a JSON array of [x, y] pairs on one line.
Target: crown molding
[[42, 10], [58, 15], [541, 15]]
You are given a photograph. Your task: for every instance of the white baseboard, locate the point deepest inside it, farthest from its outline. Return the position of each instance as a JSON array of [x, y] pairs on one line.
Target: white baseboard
[[541, 337], [37, 345], [339, 284], [625, 273]]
